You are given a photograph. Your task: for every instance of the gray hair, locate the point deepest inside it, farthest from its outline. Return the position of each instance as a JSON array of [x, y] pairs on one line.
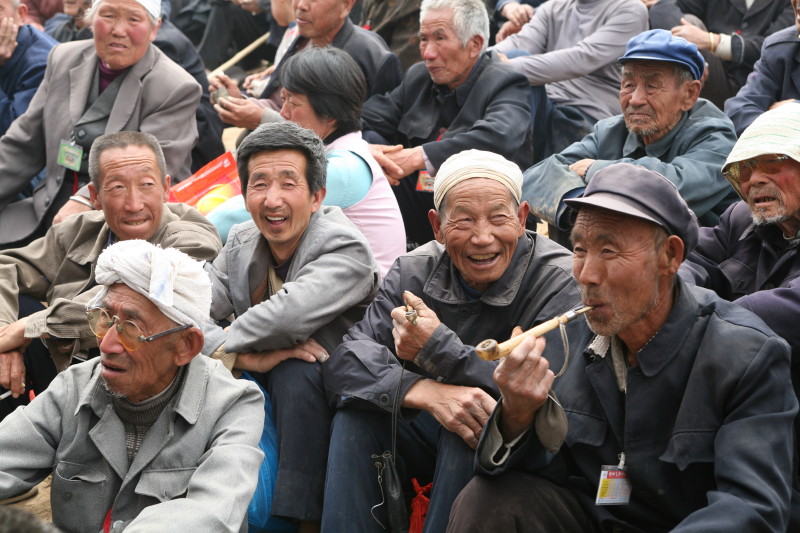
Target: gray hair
[[681, 73], [470, 18], [274, 136], [123, 139], [88, 17]]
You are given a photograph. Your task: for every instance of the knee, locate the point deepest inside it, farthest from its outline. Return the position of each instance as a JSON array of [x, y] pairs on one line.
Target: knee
[[294, 377]]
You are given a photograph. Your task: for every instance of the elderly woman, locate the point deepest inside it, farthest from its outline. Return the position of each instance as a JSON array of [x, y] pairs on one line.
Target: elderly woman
[[323, 89], [116, 82]]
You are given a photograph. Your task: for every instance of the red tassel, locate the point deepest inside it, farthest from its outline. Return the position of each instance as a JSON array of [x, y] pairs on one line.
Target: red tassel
[[419, 506]]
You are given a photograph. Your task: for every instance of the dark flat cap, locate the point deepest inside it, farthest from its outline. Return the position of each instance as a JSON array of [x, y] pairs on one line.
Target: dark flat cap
[[661, 45], [638, 192]]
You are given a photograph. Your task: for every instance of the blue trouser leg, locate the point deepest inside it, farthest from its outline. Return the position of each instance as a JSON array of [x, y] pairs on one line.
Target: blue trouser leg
[[454, 468]]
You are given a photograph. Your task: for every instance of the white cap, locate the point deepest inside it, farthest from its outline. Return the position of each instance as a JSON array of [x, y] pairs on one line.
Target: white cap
[[476, 164], [152, 6]]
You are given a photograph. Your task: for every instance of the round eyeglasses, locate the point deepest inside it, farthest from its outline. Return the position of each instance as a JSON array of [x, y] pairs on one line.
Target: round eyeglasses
[[741, 171], [130, 336]]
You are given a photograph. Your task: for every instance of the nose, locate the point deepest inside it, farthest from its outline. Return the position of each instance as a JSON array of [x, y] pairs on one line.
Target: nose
[[301, 5], [427, 51], [638, 96], [273, 198], [133, 200], [587, 270], [111, 343], [482, 233], [285, 110]]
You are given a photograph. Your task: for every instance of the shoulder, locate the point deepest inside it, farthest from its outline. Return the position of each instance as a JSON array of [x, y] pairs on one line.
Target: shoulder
[[496, 72], [550, 253], [210, 389], [67, 54], [785, 38], [157, 68], [705, 115], [330, 229]]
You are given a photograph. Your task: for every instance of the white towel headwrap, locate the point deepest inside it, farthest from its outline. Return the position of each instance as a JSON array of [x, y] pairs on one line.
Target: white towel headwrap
[[152, 6], [173, 281], [476, 164]]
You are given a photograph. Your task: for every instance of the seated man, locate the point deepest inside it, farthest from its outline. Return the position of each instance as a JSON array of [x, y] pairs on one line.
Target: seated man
[[751, 258], [295, 278], [729, 34], [571, 50], [773, 81], [147, 436], [129, 188], [320, 23], [461, 97], [663, 127], [705, 442], [484, 275], [23, 58]]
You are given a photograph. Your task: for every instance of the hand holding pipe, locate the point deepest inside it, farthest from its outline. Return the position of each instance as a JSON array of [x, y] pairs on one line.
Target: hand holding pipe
[[490, 350]]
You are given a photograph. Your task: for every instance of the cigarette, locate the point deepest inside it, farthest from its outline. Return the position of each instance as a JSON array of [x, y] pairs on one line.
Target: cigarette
[[5, 395]]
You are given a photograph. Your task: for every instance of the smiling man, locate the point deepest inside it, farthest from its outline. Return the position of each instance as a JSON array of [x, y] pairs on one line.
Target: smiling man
[[295, 278], [678, 403], [664, 127], [148, 436], [129, 189], [484, 275]]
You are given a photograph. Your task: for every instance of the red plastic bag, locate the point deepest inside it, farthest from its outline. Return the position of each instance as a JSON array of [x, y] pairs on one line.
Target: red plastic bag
[[210, 186]]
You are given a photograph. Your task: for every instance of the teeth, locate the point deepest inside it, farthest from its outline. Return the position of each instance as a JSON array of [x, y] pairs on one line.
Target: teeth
[[135, 223], [276, 219], [482, 257]]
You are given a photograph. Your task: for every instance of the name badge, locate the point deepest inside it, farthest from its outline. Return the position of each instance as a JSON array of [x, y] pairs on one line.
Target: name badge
[[614, 487], [70, 155], [424, 181]]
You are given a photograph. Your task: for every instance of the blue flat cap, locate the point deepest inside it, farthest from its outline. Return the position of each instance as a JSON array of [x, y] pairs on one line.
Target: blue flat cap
[[638, 192], [661, 45]]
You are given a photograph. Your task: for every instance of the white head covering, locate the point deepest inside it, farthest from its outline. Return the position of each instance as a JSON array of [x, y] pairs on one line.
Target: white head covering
[[476, 164], [152, 6], [774, 132], [173, 281]]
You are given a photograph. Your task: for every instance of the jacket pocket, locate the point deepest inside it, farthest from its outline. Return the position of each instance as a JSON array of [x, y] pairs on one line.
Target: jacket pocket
[[585, 429], [165, 485], [690, 447], [741, 278], [77, 486]]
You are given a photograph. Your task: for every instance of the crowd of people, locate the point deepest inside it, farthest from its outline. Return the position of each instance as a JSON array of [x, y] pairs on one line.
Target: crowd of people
[[417, 177]]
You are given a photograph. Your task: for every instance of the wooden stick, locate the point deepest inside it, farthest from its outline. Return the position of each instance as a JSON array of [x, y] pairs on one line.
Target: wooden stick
[[241, 54], [490, 350]]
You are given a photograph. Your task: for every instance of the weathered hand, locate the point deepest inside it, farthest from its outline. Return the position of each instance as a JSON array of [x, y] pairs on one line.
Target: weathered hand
[[309, 351], [8, 38], [517, 13], [524, 379], [461, 410], [693, 34], [217, 81], [68, 209], [12, 337], [580, 167], [12, 372], [241, 112], [409, 338], [381, 154], [407, 160]]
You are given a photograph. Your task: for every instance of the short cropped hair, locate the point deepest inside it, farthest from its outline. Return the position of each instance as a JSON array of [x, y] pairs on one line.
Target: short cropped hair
[[123, 139], [274, 136], [332, 81], [470, 18]]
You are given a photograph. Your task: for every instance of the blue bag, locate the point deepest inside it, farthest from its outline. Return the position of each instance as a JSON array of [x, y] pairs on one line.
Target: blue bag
[[258, 512]]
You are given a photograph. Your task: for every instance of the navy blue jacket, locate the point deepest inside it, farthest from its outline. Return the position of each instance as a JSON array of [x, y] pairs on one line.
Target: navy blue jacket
[[775, 77]]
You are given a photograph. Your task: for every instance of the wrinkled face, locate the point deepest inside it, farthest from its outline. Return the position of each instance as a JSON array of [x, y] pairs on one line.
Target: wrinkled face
[[320, 20], [8, 11], [616, 265], [773, 194], [652, 99], [279, 199], [141, 374], [480, 226], [297, 108], [122, 32], [447, 60], [131, 193]]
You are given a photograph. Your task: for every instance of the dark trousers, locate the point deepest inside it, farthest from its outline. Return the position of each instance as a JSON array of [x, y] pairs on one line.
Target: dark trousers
[[39, 367], [425, 451], [517, 502], [229, 29], [302, 414], [555, 127]]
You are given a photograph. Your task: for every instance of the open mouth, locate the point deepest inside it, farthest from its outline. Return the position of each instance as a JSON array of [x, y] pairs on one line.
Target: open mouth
[[763, 199], [276, 221], [483, 259], [111, 370], [134, 222]]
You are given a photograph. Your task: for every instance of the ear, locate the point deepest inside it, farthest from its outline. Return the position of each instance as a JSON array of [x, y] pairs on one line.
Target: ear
[[672, 254], [189, 345], [93, 196], [155, 30], [522, 216], [474, 46], [167, 181], [317, 199], [690, 94], [436, 225], [22, 12]]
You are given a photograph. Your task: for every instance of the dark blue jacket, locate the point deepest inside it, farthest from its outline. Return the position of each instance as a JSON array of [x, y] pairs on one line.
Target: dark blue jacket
[[22, 74], [775, 77]]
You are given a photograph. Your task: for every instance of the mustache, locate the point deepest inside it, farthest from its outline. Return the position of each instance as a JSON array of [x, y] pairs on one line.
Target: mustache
[[764, 190]]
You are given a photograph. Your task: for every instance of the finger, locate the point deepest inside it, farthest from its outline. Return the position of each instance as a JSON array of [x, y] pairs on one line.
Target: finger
[[5, 370], [516, 331], [17, 374], [414, 301]]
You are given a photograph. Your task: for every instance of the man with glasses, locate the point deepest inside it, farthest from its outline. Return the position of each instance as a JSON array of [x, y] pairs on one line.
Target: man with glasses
[[129, 189], [147, 436], [751, 257]]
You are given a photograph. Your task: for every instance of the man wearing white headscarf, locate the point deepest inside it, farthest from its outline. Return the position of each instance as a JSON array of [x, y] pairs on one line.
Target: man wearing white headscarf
[[484, 275], [146, 437]]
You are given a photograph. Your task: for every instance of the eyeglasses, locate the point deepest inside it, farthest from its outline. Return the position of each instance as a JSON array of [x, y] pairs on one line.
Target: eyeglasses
[[741, 171], [130, 336]]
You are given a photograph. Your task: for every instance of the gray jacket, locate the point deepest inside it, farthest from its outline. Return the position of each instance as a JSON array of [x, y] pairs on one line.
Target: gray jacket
[[332, 278], [536, 286], [196, 470]]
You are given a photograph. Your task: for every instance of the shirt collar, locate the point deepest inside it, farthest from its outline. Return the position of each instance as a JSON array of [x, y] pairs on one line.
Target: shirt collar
[[657, 149]]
